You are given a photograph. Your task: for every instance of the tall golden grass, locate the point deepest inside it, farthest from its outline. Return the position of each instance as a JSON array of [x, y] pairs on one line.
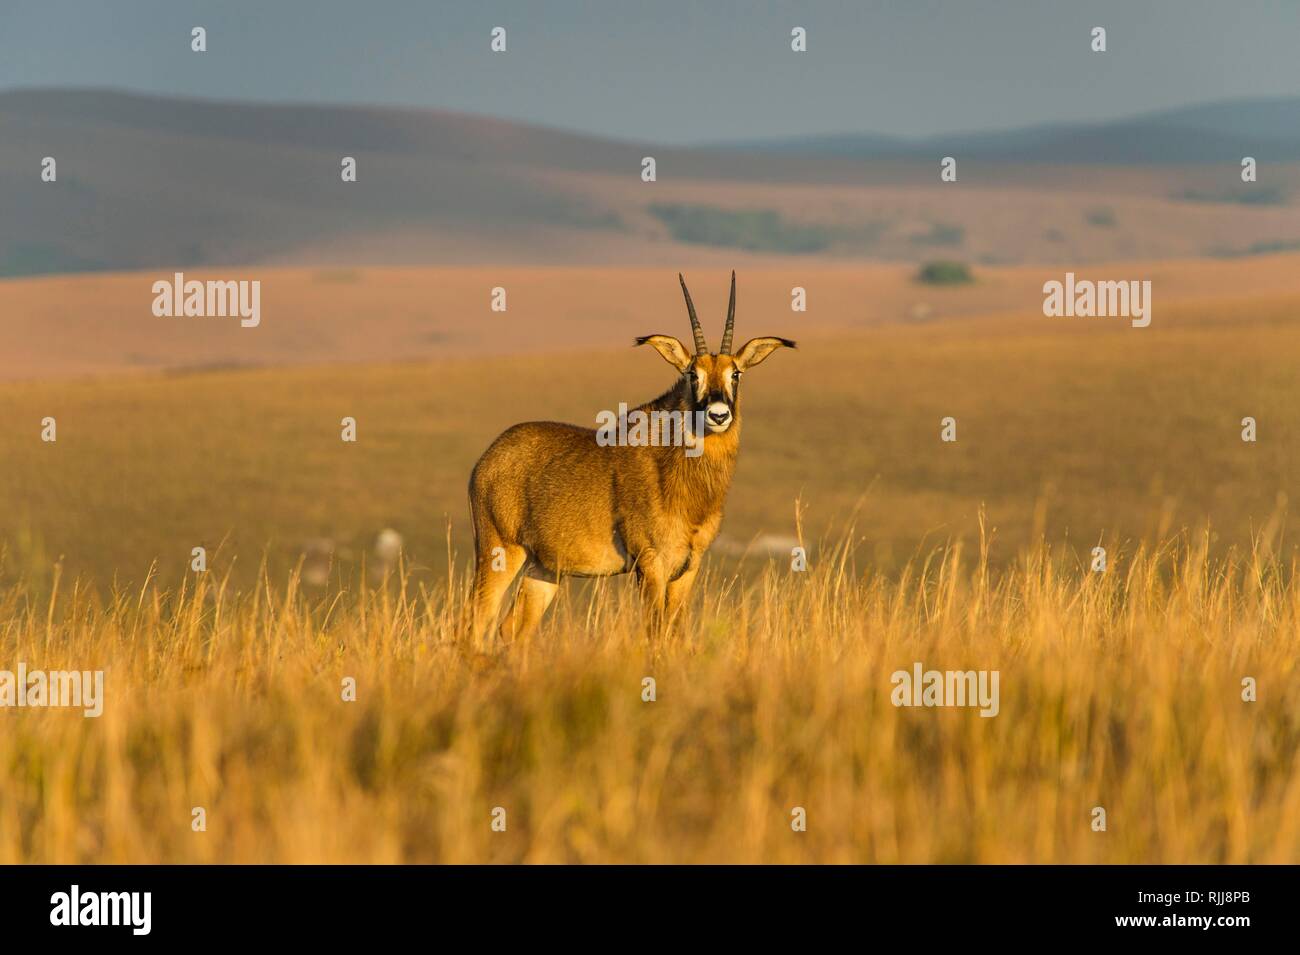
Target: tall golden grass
[[1120, 689]]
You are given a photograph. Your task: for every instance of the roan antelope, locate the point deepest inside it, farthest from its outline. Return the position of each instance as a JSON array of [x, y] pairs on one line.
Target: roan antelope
[[549, 499]]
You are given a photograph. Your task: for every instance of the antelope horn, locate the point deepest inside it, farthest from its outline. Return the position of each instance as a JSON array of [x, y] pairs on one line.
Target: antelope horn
[[701, 346], [725, 349]]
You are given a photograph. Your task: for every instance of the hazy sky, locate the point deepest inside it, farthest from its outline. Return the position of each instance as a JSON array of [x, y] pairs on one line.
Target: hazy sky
[[676, 70]]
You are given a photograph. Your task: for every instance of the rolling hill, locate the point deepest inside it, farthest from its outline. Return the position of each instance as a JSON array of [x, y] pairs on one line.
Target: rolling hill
[[1268, 129], [147, 182], [59, 327]]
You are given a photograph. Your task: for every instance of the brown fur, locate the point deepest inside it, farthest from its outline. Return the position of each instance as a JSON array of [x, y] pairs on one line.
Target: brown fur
[[556, 502]]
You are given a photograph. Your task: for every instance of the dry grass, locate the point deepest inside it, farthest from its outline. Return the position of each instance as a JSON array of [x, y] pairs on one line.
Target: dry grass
[[1067, 431], [101, 323], [1120, 689]]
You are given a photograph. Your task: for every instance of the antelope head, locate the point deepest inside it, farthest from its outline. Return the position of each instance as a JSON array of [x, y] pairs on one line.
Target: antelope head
[[711, 381]]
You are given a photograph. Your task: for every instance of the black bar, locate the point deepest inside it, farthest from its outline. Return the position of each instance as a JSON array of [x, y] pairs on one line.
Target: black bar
[[651, 906]]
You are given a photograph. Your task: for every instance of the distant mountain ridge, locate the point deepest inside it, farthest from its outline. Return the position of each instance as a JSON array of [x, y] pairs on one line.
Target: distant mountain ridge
[[1212, 132], [149, 182]]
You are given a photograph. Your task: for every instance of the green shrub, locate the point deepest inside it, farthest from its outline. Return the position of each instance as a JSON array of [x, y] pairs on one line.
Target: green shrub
[[758, 230], [944, 273]]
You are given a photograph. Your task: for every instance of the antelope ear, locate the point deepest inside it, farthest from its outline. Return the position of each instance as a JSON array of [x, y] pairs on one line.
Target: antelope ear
[[674, 352], [756, 349]]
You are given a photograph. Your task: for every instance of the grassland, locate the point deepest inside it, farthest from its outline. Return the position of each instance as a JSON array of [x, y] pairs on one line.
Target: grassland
[[1077, 432], [1119, 689], [103, 324]]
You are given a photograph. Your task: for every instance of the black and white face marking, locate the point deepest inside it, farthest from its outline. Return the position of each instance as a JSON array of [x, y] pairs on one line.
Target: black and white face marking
[[715, 384]]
